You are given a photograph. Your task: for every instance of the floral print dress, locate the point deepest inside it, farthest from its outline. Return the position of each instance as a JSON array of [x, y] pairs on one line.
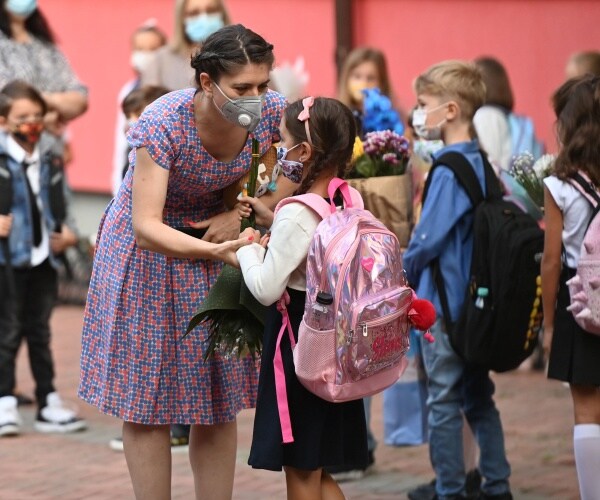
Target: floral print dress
[[134, 363]]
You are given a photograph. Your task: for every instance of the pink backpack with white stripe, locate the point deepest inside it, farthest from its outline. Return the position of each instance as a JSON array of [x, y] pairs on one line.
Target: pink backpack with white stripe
[[584, 287], [353, 336]]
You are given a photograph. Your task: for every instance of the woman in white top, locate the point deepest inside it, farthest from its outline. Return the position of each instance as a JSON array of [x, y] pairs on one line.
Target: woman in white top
[[574, 354]]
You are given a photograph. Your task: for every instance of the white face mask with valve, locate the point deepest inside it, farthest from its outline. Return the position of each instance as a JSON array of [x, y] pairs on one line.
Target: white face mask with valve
[[243, 111]]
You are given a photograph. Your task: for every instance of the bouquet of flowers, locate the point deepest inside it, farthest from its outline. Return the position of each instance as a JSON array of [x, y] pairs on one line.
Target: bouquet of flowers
[[379, 154], [530, 174], [235, 319]]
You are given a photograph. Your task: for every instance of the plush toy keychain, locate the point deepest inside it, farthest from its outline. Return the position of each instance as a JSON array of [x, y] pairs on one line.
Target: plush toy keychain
[[422, 316]]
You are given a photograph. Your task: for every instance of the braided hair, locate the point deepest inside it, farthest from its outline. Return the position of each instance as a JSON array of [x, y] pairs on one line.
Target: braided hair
[[332, 130], [228, 49]]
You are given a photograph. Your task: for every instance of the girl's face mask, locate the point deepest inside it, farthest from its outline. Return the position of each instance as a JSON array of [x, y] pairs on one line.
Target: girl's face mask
[[289, 168], [28, 133]]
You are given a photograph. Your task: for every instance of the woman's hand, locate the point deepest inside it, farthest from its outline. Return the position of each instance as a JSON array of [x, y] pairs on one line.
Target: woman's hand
[[221, 227], [263, 214], [5, 225], [226, 251]]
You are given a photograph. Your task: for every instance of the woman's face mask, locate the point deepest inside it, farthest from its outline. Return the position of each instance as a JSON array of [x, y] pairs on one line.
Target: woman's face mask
[[419, 120], [290, 169], [22, 8], [199, 28], [244, 112]]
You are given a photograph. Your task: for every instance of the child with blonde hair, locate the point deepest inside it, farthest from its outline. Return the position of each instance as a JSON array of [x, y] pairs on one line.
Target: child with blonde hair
[[448, 94]]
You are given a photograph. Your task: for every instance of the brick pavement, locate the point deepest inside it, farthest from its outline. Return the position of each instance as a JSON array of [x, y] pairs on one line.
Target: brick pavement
[[536, 415]]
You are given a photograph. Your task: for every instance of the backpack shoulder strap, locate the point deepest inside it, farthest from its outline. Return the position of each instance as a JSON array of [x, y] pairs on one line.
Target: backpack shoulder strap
[[311, 200], [583, 184], [464, 173]]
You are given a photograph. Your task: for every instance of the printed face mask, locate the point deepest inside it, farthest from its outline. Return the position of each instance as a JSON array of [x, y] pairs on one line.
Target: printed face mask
[[199, 28], [28, 132], [243, 111], [23, 8], [419, 119], [290, 169]]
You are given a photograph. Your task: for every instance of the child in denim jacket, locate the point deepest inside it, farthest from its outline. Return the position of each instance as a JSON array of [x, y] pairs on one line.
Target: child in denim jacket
[[33, 236]]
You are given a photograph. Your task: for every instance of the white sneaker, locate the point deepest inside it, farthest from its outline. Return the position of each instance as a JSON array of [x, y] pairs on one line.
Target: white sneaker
[[56, 417], [10, 420]]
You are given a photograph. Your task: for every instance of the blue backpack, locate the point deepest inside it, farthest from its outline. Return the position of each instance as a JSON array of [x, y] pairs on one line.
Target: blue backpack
[[523, 136]]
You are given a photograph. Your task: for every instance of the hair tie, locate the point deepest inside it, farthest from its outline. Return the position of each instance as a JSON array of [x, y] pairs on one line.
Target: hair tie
[[304, 115]]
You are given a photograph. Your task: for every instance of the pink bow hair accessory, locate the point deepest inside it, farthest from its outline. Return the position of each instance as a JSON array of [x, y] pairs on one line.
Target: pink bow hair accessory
[[304, 115]]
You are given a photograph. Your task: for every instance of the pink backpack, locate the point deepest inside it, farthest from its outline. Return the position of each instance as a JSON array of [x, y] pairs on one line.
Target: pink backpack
[[584, 287], [353, 336]]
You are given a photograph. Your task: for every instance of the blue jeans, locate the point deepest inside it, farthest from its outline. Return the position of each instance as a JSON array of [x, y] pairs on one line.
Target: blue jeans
[[455, 388]]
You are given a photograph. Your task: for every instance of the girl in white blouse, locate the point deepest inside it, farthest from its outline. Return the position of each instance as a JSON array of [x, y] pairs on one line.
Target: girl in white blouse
[[574, 354], [317, 137]]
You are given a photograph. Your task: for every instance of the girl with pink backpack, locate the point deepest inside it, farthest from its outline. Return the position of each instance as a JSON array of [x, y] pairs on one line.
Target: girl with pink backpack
[[572, 250], [317, 141]]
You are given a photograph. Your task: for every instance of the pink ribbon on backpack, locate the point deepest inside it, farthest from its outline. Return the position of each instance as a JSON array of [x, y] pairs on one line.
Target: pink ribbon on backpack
[[280, 388]]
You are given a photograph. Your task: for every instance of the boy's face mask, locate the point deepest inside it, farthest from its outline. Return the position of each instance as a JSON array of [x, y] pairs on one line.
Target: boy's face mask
[[419, 120], [244, 112], [28, 133]]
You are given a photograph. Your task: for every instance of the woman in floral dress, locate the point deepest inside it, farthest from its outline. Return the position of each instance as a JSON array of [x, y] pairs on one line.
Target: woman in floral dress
[[149, 277]]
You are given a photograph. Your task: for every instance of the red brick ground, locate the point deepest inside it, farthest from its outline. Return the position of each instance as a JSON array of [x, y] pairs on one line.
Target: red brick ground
[[536, 415]]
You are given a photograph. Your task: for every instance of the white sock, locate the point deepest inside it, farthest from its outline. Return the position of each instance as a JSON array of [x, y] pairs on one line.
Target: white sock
[[586, 442]]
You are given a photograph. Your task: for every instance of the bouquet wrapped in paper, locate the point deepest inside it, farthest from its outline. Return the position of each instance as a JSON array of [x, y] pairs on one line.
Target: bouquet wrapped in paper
[[380, 162], [235, 319]]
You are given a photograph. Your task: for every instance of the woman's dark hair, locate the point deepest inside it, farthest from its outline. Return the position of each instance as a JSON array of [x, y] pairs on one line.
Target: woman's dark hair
[[35, 25], [18, 89], [228, 49], [332, 131], [577, 107], [497, 84]]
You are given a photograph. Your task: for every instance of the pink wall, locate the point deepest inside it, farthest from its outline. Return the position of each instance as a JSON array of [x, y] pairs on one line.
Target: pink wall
[[95, 38], [532, 37]]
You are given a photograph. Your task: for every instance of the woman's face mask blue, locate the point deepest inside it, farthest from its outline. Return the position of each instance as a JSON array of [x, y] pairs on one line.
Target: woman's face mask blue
[[199, 28], [244, 112], [290, 169], [22, 8]]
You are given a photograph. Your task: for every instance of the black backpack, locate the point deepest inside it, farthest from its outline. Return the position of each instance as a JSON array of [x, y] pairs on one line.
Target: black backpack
[[501, 317]]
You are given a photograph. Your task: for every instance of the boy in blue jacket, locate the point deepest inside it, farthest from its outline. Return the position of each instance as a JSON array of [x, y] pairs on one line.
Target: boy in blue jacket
[[33, 235], [448, 94]]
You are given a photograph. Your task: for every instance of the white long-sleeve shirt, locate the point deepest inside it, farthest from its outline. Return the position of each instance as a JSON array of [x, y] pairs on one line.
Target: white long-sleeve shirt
[[268, 273]]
